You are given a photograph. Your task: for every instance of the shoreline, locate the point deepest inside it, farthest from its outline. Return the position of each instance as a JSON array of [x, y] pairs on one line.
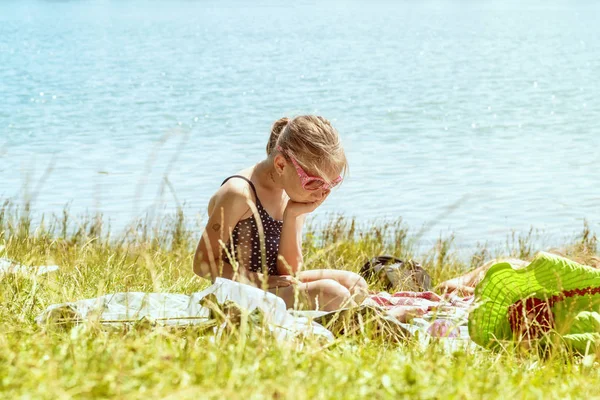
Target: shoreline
[[391, 237]]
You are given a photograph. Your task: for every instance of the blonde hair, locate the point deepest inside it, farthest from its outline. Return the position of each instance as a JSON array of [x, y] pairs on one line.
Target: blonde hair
[[312, 141]]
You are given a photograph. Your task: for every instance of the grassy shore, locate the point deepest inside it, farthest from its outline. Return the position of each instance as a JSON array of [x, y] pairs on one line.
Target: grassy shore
[[89, 362]]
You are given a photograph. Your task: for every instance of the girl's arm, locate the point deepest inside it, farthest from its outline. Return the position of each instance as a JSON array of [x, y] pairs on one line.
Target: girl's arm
[[290, 257], [228, 209]]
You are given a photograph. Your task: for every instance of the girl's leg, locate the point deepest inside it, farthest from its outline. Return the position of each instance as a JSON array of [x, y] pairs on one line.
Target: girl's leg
[[322, 294], [350, 280]]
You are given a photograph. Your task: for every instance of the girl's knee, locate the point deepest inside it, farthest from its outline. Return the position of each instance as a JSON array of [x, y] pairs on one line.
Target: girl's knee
[[361, 283], [333, 287], [331, 295], [354, 282]]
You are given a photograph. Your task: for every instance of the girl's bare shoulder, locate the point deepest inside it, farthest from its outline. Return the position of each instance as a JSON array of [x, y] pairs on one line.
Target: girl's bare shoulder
[[235, 193]]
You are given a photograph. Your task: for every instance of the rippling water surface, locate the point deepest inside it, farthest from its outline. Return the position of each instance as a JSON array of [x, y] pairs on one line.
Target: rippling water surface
[[493, 106]]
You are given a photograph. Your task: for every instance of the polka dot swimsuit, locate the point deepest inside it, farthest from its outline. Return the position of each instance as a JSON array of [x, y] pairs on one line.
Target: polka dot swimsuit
[[246, 243]]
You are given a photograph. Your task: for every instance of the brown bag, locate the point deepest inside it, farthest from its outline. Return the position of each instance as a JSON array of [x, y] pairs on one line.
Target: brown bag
[[397, 274]]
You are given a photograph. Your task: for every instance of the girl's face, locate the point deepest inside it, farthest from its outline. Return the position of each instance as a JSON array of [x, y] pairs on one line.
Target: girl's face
[[303, 186]]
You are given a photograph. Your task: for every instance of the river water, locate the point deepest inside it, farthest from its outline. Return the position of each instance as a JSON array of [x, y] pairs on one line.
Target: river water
[[481, 116]]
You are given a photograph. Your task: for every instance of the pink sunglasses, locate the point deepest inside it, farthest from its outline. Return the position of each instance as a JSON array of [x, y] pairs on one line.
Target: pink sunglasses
[[311, 182]]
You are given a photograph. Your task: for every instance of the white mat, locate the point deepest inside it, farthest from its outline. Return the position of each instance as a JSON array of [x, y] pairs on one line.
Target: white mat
[[179, 309]]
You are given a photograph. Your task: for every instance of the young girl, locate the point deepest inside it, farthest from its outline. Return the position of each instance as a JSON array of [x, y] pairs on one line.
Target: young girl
[[259, 214]]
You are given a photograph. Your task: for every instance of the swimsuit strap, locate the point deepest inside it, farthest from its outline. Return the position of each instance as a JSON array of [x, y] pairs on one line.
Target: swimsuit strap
[[251, 185]]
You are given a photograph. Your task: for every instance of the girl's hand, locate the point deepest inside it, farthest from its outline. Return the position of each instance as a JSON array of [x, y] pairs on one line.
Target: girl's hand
[[296, 209], [276, 281]]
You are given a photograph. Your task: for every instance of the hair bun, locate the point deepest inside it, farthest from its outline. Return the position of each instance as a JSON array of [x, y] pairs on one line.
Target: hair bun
[[275, 132]]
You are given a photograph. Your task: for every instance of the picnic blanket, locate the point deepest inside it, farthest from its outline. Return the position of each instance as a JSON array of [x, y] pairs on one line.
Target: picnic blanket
[[445, 317], [170, 309]]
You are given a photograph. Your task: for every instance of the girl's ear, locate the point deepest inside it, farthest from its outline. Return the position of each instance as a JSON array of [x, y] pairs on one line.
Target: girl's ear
[[279, 163]]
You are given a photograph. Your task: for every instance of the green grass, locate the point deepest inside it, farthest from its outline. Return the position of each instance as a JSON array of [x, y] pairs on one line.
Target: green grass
[[142, 362]]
